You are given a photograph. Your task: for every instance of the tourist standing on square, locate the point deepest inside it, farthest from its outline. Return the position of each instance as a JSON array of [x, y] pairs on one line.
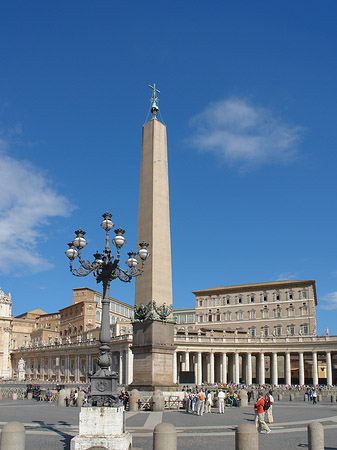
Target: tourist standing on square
[[201, 403], [270, 400], [221, 401], [209, 403], [259, 408]]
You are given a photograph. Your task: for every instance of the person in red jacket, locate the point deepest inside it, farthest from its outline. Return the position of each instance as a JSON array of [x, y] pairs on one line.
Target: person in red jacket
[[259, 410]]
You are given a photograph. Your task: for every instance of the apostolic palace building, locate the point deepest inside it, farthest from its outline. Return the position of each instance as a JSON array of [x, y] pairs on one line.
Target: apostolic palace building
[[250, 333]]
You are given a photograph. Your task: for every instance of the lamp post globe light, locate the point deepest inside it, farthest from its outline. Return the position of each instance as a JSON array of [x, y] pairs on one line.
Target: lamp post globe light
[[105, 268]]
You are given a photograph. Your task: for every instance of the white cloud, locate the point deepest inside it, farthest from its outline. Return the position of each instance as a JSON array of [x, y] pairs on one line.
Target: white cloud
[[243, 134], [286, 276], [329, 301], [27, 203]]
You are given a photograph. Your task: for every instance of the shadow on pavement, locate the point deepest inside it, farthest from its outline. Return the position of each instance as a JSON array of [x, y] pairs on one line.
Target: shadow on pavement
[[66, 437]]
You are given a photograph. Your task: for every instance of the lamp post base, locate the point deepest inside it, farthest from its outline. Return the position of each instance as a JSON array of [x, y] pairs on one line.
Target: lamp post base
[[101, 427]]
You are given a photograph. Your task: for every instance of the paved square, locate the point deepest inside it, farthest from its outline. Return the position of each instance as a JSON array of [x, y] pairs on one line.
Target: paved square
[[51, 427]]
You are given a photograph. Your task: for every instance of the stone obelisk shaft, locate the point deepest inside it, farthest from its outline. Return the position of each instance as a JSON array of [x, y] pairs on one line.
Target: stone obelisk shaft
[[153, 337], [154, 217]]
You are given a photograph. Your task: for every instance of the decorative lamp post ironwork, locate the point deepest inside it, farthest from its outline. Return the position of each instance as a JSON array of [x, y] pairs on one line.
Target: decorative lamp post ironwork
[[105, 268]]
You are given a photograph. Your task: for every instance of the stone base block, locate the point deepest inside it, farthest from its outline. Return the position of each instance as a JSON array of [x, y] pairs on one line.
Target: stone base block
[[101, 428], [102, 443]]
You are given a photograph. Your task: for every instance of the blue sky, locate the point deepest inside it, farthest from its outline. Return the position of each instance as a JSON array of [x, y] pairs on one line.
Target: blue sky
[[248, 93]]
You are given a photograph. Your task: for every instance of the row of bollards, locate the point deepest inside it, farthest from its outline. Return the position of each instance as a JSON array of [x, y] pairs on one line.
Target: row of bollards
[[165, 437], [246, 437]]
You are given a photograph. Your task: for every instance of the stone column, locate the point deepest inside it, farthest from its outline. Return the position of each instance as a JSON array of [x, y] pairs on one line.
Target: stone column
[[50, 367], [236, 368], [211, 363], [300, 369], [187, 361], [261, 369], [328, 369], [130, 365], [274, 368], [287, 368], [249, 369], [68, 368], [120, 367], [224, 368], [199, 374], [42, 368], [175, 370], [314, 369], [86, 368]]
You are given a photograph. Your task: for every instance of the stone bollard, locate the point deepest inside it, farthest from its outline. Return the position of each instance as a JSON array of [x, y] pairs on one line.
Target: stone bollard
[[280, 397], [133, 400], [165, 437], [80, 399], [246, 437], [14, 396], [0, 395], [320, 398], [333, 399], [291, 397], [243, 398], [29, 395], [61, 398], [13, 436], [315, 436], [158, 401]]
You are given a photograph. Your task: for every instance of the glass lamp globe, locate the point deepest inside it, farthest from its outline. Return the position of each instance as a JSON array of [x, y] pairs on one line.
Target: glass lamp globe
[[132, 261], [71, 253]]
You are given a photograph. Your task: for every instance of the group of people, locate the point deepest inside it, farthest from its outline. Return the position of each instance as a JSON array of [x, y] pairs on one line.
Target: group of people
[[312, 395], [201, 402]]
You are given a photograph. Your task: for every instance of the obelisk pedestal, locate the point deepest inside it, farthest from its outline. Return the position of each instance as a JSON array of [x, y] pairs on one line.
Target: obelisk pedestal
[[102, 427], [153, 351]]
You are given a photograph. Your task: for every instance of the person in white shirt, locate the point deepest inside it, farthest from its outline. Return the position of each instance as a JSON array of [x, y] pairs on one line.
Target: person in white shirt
[[221, 401], [209, 403], [270, 399]]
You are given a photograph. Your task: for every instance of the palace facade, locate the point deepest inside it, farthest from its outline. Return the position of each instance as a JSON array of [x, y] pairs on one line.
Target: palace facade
[[253, 333]]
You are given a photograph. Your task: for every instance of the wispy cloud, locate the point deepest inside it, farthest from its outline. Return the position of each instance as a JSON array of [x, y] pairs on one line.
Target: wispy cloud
[[243, 134], [27, 203], [286, 276], [329, 301]]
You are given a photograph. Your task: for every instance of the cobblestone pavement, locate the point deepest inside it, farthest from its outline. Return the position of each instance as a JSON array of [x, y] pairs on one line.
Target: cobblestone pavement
[[51, 427]]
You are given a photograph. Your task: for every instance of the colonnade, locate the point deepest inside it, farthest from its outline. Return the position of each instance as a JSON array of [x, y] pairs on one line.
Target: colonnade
[[260, 367], [68, 367]]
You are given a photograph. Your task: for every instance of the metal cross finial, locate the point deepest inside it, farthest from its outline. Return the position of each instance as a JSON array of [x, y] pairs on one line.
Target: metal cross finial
[[154, 96], [154, 100]]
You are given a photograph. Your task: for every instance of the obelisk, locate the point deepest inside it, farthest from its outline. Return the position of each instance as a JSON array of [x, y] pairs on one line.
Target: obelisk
[[153, 327]]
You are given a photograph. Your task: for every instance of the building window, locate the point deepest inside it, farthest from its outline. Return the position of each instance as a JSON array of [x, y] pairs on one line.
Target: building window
[[200, 303], [251, 298], [251, 332], [209, 302], [304, 329], [239, 315], [252, 314], [218, 317], [278, 311], [238, 300], [209, 315], [265, 313], [228, 316], [265, 331], [291, 310], [290, 330], [228, 300], [200, 319], [264, 297]]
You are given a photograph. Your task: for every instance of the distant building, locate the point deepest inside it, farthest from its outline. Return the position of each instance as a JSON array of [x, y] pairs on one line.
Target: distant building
[[277, 308]]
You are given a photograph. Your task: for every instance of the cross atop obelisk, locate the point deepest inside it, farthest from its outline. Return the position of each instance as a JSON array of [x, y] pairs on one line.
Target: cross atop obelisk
[[154, 99]]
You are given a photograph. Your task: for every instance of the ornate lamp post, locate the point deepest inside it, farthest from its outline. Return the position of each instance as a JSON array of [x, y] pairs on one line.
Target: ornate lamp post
[[105, 268]]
